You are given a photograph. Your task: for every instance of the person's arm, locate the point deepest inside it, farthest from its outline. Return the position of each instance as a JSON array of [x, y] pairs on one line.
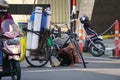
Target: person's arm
[[14, 26]]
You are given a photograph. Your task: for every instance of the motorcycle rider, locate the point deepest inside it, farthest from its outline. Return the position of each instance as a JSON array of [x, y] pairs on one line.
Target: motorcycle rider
[[3, 16], [90, 32]]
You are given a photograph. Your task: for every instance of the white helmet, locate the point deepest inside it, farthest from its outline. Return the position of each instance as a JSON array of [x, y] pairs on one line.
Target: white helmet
[[3, 6]]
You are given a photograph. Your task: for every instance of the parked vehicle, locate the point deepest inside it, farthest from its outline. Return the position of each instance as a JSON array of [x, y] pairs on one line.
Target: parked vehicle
[[94, 45], [10, 53]]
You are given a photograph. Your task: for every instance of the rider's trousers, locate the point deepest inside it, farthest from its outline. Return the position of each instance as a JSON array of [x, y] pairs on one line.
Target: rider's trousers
[[1, 46]]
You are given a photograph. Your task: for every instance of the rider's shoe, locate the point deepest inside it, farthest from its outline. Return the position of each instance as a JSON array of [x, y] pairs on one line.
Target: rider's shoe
[[77, 59]]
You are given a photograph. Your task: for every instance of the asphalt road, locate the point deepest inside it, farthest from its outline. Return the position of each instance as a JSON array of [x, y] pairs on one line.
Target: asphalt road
[[97, 69]]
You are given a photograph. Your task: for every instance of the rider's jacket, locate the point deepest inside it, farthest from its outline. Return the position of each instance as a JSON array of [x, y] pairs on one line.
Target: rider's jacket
[[7, 16]]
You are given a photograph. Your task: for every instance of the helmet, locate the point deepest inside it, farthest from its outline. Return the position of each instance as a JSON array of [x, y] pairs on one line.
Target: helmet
[[84, 19], [3, 7]]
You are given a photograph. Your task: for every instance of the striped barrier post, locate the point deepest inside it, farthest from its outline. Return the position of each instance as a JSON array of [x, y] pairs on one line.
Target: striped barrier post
[[116, 39], [74, 6], [74, 16]]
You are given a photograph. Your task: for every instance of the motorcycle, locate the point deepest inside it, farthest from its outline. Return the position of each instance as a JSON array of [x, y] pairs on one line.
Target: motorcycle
[[94, 45], [10, 53]]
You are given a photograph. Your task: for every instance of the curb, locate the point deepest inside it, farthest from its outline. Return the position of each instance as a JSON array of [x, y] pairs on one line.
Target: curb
[[107, 37]]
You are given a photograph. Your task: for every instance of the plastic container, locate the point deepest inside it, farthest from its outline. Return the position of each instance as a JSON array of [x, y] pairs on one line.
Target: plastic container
[[44, 21], [32, 16]]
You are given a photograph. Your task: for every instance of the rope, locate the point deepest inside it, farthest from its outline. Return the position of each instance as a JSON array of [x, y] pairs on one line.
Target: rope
[[114, 47], [34, 5], [107, 29], [66, 23]]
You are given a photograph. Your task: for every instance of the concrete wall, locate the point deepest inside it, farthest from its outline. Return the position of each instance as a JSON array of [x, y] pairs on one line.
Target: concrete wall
[[86, 8], [105, 13], [20, 1], [60, 10]]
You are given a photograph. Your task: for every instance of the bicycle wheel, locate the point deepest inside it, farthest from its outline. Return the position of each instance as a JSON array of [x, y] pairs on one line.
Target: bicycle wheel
[[79, 53], [41, 59]]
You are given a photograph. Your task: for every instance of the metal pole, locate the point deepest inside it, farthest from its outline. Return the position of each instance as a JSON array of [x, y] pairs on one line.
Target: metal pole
[[69, 2]]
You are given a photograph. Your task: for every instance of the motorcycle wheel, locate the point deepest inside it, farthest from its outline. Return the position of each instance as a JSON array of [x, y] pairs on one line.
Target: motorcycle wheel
[[16, 70], [97, 49]]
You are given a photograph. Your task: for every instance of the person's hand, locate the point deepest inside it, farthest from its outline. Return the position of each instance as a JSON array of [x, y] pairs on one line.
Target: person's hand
[[21, 34], [89, 36], [66, 49], [63, 49], [11, 35]]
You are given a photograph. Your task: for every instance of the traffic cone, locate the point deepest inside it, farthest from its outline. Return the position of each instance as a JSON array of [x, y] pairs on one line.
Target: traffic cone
[[81, 38]]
